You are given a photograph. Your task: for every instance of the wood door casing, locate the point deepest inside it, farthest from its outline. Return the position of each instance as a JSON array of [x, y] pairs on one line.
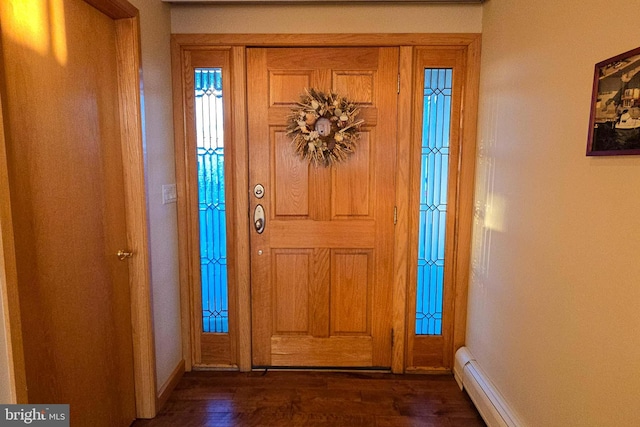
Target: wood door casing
[[322, 270]]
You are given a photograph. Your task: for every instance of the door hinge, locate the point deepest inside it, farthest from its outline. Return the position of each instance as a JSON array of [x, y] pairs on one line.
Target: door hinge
[[392, 337], [395, 215], [398, 82]]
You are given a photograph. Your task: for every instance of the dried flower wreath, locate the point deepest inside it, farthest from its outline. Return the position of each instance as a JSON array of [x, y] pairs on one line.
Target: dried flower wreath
[[324, 127]]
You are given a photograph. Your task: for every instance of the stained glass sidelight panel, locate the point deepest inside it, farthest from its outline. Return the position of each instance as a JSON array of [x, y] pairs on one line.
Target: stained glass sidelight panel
[[433, 200], [213, 240]]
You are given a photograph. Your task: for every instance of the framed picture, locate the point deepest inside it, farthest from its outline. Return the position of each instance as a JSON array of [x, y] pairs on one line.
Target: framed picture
[[614, 126]]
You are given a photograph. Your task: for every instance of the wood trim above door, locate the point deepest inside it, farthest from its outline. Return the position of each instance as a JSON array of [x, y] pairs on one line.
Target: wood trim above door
[[277, 40], [469, 43]]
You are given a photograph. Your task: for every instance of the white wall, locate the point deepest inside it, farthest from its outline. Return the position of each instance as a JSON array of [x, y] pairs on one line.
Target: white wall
[[555, 294], [158, 128], [342, 18]]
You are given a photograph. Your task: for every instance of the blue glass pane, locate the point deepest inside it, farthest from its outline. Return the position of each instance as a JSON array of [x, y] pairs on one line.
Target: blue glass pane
[[436, 121], [213, 231]]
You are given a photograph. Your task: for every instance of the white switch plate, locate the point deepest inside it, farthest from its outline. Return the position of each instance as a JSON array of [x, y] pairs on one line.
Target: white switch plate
[[169, 194]]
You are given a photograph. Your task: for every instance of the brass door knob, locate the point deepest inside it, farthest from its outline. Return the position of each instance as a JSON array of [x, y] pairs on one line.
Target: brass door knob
[[122, 255], [259, 219]]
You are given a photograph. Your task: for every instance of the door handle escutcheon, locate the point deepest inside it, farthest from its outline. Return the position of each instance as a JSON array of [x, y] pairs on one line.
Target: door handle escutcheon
[[258, 219]]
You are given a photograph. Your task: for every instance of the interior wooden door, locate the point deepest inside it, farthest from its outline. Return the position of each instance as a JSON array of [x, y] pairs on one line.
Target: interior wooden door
[[321, 272], [63, 138]]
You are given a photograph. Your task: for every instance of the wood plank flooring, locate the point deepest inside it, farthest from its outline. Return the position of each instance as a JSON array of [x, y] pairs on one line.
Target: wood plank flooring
[[277, 398]]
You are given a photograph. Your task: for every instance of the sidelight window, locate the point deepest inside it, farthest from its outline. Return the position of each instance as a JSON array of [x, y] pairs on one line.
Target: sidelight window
[[433, 199], [211, 199]]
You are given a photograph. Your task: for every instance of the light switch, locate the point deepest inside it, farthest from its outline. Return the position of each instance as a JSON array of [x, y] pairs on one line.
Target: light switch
[[169, 194]]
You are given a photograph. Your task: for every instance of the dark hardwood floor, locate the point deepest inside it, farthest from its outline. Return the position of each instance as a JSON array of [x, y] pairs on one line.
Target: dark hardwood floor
[[278, 398]]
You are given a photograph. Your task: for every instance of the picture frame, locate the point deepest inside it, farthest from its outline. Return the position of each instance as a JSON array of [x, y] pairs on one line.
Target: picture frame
[[614, 124]]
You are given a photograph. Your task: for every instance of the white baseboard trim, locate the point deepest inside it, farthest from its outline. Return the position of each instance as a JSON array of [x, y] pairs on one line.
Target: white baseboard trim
[[484, 395]]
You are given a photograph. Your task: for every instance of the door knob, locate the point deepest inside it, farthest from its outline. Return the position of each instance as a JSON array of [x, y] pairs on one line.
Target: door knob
[[258, 219], [122, 255]]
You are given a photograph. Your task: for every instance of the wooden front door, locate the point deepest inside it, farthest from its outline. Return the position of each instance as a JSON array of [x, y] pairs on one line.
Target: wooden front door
[[64, 153], [321, 272]]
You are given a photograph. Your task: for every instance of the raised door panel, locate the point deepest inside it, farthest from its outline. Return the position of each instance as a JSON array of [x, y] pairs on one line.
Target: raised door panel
[[285, 87], [290, 180], [356, 85], [291, 291], [351, 292], [352, 187]]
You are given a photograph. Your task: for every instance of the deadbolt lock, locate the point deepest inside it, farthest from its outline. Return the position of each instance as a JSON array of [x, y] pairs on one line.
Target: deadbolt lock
[[258, 191]]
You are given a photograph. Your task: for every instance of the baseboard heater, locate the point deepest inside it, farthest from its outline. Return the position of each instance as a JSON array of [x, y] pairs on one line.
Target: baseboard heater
[[488, 401]]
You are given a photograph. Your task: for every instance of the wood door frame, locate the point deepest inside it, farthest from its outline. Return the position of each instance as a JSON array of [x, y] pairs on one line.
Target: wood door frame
[[236, 206], [436, 353], [469, 43], [128, 60]]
